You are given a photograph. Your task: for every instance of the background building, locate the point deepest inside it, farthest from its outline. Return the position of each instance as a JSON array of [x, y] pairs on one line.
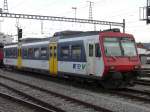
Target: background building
[[5, 39]]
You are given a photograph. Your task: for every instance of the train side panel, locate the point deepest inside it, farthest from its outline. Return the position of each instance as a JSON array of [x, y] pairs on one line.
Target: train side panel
[[74, 56], [35, 56], [35, 64], [71, 56]]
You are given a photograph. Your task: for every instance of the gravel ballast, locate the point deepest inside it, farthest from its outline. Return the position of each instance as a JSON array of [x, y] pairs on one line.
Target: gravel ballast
[[107, 101], [9, 106]]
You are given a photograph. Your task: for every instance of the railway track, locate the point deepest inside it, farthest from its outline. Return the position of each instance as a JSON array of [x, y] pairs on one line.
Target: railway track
[[66, 99], [140, 95], [135, 95], [127, 93], [31, 100], [142, 82], [36, 107], [145, 72]]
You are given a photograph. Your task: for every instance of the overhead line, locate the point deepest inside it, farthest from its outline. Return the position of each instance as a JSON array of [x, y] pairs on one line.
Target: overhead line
[[54, 18]]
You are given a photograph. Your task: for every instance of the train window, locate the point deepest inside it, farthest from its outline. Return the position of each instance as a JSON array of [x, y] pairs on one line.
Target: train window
[[36, 52], [14, 52], [97, 50], [44, 51], [76, 52], [112, 46], [128, 48], [90, 50], [25, 52], [11, 52], [109, 39], [64, 52], [7, 53], [30, 52]]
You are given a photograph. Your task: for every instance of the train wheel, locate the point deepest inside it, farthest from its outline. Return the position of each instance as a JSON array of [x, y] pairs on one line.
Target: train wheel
[[111, 84]]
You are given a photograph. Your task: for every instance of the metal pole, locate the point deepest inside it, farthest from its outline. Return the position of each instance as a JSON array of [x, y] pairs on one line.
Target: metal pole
[[94, 27], [90, 10], [124, 25], [147, 10], [1, 24], [75, 11], [42, 27]]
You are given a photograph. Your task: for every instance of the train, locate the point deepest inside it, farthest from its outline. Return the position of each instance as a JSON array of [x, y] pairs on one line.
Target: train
[[106, 57]]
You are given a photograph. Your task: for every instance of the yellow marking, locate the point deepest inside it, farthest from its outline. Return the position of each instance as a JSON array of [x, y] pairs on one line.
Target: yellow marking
[[53, 59]]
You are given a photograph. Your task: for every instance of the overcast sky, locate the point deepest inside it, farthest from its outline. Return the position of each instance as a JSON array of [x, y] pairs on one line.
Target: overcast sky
[[108, 10]]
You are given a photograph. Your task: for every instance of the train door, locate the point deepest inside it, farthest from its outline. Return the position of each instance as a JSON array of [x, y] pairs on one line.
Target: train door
[[95, 65], [19, 58], [99, 63], [91, 58], [53, 59]]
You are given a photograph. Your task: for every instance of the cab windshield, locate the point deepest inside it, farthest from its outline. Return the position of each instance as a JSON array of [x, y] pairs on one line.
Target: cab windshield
[[128, 48], [119, 46]]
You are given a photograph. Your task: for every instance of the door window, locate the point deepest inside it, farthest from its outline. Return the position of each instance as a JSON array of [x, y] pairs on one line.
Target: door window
[[97, 50], [50, 51], [90, 50], [55, 51]]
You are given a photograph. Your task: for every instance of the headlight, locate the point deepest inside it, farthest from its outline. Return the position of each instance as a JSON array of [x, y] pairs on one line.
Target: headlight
[[112, 68], [137, 66]]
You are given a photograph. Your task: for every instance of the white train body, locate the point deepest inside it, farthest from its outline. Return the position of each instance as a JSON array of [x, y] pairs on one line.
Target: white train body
[[83, 54]]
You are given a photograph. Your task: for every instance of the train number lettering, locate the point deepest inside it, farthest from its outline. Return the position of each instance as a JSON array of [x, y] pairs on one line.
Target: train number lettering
[[79, 66]]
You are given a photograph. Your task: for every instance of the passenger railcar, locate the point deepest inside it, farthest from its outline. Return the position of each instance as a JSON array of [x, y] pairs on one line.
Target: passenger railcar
[[108, 57]]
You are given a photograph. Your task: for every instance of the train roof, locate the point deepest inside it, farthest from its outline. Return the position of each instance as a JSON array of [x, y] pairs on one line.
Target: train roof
[[28, 40], [71, 34]]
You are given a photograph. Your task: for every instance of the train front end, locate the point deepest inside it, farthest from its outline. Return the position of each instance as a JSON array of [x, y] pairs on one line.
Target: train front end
[[121, 60]]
